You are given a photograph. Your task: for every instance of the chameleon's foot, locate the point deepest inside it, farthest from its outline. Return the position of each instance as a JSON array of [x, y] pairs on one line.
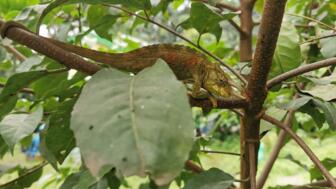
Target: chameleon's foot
[[213, 101], [7, 25]]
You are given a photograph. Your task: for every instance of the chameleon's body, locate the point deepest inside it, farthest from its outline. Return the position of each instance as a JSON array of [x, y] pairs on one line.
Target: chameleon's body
[[186, 63]]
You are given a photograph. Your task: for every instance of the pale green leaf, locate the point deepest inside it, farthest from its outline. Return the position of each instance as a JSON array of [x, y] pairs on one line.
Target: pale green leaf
[[140, 124], [325, 92], [287, 55], [15, 127], [213, 178]]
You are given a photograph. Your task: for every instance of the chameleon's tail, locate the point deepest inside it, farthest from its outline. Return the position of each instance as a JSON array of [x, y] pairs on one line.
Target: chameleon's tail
[[113, 59]]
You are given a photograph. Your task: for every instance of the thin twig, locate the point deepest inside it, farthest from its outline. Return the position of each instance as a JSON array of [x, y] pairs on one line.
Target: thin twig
[[29, 172], [236, 26], [318, 38], [304, 147], [24, 90], [222, 6], [220, 152], [317, 184], [275, 152], [253, 168], [236, 73], [15, 52], [300, 70], [193, 167], [313, 19]]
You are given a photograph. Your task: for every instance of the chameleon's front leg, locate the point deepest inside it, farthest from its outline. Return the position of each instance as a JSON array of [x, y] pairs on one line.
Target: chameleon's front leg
[[197, 93]]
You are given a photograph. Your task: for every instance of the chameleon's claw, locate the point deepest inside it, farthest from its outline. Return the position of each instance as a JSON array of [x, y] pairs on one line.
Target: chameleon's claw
[[213, 101]]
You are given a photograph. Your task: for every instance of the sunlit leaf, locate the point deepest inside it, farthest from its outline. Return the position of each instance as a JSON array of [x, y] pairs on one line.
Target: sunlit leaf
[[213, 178], [206, 24], [15, 127], [287, 55]]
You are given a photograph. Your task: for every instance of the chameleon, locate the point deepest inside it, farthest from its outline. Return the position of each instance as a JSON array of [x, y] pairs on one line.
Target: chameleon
[[187, 64]]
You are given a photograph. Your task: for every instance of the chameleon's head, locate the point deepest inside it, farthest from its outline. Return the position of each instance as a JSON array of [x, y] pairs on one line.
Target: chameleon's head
[[217, 82]]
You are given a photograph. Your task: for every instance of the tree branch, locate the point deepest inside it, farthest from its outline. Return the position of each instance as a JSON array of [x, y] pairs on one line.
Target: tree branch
[[220, 152], [256, 89], [300, 70], [304, 147], [275, 152], [314, 20], [29, 172], [222, 6], [318, 38], [24, 90], [45, 47], [317, 184], [16, 53]]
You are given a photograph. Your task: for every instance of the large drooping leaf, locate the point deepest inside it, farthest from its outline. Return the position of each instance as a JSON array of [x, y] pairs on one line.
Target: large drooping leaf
[[138, 4], [206, 24], [328, 45], [101, 21], [329, 110], [15, 127], [287, 55], [296, 103], [59, 138], [315, 173], [213, 178], [140, 124], [325, 92]]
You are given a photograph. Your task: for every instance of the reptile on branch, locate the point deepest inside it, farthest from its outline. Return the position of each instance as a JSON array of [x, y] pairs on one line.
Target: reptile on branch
[[186, 63]]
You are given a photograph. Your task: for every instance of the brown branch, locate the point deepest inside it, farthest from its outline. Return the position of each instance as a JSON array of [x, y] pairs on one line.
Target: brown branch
[[304, 147], [193, 167], [256, 89], [275, 152], [300, 70], [16, 53], [45, 47], [317, 184], [253, 168], [29, 172], [220, 152], [24, 90], [318, 38]]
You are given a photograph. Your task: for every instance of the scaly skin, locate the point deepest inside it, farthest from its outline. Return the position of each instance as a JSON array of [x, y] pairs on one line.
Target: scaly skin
[[186, 63]]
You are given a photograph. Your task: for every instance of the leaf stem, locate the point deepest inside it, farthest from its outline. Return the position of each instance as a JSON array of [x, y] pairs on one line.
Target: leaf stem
[[29, 172], [313, 19]]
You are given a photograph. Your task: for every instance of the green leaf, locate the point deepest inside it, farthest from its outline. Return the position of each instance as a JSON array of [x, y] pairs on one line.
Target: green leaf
[[315, 173], [329, 112], [101, 21], [138, 4], [59, 138], [325, 92], [213, 178], [328, 46], [30, 176], [29, 63], [15, 127], [314, 113], [139, 125], [16, 82], [287, 55], [206, 24], [296, 103]]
